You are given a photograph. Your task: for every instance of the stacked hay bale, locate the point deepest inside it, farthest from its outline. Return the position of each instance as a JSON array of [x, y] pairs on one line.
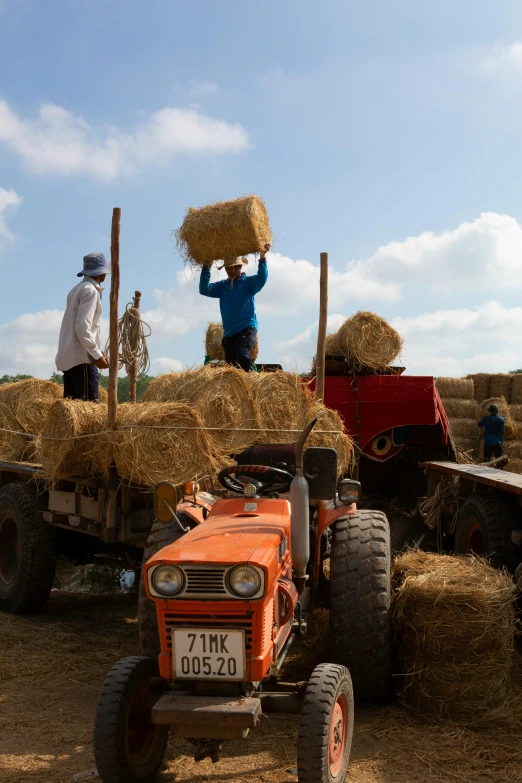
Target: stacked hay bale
[[481, 384], [463, 413], [30, 401], [366, 341], [12, 443], [329, 432], [224, 230], [223, 398], [73, 442], [284, 405], [214, 347], [455, 628]]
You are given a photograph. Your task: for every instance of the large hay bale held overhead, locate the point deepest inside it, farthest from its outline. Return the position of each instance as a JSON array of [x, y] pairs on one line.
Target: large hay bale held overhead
[[64, 450], [329, 433], [455, 388], [462, 409], [516, 389], [30, 400], [455, 627], [214, 346], [224, 230], [500, 386], [163, 442], [284, 405], [12, 443], [367, 340], [221, 395], [481, 382], [504, 411]]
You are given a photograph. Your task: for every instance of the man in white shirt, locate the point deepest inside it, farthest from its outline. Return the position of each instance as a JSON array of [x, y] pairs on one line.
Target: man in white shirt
[[79, 354]]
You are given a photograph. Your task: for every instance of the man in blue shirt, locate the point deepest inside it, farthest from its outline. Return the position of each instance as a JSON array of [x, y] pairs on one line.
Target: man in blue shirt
[[238, 310], [493, 433]]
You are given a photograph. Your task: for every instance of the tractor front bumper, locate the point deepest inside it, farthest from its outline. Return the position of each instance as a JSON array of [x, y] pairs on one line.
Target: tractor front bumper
[[207, 717]]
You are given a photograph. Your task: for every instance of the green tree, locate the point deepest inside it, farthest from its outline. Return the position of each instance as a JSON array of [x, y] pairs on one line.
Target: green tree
[[13, 378]]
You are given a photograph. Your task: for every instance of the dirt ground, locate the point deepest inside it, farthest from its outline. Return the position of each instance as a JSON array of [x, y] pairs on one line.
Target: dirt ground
[[52, 667]]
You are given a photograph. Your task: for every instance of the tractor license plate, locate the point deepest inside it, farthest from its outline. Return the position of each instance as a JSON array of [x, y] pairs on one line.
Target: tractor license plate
[[212, 654]]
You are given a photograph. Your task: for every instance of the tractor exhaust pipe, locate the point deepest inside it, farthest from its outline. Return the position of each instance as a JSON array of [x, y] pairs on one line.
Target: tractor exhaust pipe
[[300, 514]]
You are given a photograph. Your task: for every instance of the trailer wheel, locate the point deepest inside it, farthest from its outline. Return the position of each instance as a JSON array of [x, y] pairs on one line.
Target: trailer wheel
[[27, 551], [326, 726], [484, 527], [160, 536], [128, 746], [360, 597]]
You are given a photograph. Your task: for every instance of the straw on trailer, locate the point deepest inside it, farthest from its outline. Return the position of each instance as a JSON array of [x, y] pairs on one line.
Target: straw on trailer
[[455, 627], [164, 442], [367, 340], [333, 436], [12, 444], [455, 388], [224, 230], [64, 450], [284, 403], [30, 401]]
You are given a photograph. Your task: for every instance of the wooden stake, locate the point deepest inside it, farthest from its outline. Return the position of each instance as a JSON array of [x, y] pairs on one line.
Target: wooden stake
[[321, 334], [133, 371], [113, 369]]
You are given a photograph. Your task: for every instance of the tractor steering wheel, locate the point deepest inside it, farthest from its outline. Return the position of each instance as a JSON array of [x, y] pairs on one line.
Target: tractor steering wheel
[[262, 476]]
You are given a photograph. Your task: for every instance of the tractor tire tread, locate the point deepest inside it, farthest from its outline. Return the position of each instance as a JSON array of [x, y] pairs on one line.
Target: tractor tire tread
[[501, 516]]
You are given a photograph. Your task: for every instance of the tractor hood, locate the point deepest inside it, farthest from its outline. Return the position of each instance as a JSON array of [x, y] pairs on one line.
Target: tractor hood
[[236, 531]]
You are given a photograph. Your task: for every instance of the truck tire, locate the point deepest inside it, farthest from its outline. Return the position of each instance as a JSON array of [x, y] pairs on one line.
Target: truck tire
[[484, 527], [128, 747], [27, 551], [160, 536], [360, 598], [325, 726]]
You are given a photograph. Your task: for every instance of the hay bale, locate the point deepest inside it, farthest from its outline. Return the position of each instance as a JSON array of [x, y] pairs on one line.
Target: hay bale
[[503, 410], [455, 627], [103, 395], [214, 347], [332, 345], [68, 452], [224, 230], [516, 412], [462, 409], [500, 386], [146, 455], [514, 465], [469, 446], [367, 340], [480, 385], [455, 388], [30, 401], [333, 436], [12, 445], [284, 404], [463, 428], [513, 448], [221, 395], [516, 389]]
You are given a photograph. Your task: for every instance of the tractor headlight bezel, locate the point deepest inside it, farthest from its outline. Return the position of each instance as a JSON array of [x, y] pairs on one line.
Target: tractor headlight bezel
[[245, 581], [166, 581]]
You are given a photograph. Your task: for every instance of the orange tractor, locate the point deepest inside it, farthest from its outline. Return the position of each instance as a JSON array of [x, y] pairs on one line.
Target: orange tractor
[[231, 594]]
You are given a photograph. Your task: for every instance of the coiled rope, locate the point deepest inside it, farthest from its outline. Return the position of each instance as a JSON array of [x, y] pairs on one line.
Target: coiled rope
[[132, 343]]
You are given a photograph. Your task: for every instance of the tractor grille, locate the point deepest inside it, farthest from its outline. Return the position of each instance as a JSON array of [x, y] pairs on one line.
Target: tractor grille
[[204, 582], [229, 622]]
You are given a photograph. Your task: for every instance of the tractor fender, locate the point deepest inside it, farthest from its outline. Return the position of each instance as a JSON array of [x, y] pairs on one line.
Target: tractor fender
[[327, 513]]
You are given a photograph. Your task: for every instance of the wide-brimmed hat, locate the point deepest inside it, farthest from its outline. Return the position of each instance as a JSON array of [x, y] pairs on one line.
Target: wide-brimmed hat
[[228, 262], [95, 264]]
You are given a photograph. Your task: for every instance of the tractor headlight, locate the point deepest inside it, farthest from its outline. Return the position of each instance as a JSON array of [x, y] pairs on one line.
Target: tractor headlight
[[245, 581], [167, 580]]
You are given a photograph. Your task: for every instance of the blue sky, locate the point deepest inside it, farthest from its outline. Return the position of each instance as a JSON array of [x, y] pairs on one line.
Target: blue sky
[[386, 133]]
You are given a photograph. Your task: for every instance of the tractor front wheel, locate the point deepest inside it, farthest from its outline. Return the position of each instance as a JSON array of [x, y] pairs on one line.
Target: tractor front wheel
[[326, 726], [128, 746], [484, 527]]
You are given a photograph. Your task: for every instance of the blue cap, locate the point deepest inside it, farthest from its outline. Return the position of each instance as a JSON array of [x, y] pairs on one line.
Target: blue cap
[[95, 264]]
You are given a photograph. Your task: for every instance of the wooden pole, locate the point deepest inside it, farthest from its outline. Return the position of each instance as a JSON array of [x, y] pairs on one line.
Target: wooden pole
[[133, 370], [321, 334], [113, 369]]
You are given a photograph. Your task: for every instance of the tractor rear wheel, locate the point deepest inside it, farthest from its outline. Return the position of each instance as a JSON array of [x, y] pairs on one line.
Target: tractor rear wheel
[[484, 527], [326, 726], [128, 746], [27, 551], [160, 536], [360, 598]]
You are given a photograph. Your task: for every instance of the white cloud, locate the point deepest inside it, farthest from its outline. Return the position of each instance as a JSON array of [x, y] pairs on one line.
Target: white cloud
[[59, 142], [28, 343], [202, 89], [297, 352], [164, 364], [9, 200], [503, 59]]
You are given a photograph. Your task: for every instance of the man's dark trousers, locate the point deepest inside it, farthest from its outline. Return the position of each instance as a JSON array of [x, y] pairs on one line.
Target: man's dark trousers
[[238, 347], [81, 382], [492, 451]]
